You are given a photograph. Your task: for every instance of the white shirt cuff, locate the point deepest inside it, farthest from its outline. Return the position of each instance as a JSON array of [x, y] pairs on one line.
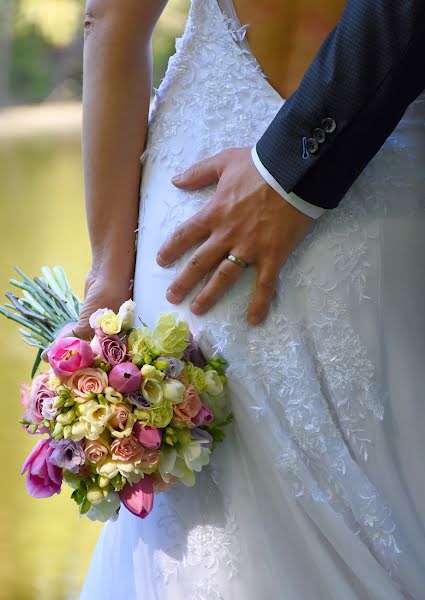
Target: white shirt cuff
[[307, 208]]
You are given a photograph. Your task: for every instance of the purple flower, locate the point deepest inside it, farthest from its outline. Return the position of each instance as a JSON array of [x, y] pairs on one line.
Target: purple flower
[[138, 399], [48, 411], [68, 455], [112, 350], [201, 434], [175, 366], [193, 353], [43, 478]]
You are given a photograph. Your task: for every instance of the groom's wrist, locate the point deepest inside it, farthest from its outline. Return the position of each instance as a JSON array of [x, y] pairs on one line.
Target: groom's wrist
[[307, 208]]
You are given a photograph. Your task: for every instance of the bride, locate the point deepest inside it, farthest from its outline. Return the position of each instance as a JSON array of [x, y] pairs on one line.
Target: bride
[[318, 491]]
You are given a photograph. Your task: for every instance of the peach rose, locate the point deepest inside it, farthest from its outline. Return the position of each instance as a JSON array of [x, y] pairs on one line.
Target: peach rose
[[127, 449], [87, 381], [189, 407], [95, 451]]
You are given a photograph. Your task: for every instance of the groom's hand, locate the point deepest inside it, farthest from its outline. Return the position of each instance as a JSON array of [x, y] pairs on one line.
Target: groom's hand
[[246, 218]]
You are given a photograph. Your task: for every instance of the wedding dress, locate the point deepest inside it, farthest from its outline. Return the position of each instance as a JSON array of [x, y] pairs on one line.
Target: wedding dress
[[318, 491]]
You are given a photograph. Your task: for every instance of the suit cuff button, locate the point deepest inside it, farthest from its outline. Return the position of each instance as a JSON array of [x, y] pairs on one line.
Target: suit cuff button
[[328, 125], [319, 135], [312, 145]]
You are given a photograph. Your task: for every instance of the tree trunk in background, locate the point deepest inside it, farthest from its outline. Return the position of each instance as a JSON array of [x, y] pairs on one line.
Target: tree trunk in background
[[6, 12]]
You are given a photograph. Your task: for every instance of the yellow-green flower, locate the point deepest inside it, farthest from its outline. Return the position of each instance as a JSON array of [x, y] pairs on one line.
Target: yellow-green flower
[[109, 322], [155, 416], [195, 376], [140, 341], [171, 335]]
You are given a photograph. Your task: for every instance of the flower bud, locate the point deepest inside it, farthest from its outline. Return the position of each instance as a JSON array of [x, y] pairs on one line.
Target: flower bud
[[94, 494], [148, 371], [103, 481], [78, 431], [66, 418], [57, 431], [58, 402], [162, 365], [67, 431]]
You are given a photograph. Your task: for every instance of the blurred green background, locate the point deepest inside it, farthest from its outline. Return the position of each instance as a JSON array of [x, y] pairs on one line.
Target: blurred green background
[[44, 546]]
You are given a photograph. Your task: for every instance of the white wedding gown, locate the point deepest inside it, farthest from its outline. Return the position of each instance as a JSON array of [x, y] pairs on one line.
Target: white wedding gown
[[318, 492]]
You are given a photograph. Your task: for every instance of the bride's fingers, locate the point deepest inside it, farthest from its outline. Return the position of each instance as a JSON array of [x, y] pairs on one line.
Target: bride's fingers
[[184, 237], [199, 264], [223, 278]]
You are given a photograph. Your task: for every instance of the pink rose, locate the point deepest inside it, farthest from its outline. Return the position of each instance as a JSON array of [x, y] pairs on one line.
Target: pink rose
[[40, 392], [112, 350], [69, 354], [127, 449], [119, 419], [149, 437], [95, 451], [88, 381], [125, 378], [189, 407], [203, 417], [138, 498], [43, 479]]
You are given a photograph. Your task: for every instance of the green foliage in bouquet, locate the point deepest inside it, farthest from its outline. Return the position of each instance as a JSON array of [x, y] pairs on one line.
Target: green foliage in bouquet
[[46, 305]]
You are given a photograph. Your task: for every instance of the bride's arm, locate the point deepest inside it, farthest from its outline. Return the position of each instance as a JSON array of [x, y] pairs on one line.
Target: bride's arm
[[116, 91], [116, 94]]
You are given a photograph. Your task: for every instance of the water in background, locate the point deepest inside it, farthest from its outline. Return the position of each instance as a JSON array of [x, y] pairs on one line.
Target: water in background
[[44, 546]]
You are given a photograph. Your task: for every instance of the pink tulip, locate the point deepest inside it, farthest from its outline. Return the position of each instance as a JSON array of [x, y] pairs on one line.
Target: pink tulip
[[149, 437], [203, 417], [43, 479], [138, 498], [125, 378], [69, 354]]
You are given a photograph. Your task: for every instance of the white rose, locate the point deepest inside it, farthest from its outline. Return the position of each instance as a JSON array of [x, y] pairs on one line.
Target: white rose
[[108, 469]]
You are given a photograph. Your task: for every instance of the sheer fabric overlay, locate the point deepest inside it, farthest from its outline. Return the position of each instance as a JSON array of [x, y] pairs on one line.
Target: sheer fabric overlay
[[318, 490]]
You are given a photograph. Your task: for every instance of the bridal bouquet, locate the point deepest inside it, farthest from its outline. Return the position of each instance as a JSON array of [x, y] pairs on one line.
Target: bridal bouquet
[[126, 415]]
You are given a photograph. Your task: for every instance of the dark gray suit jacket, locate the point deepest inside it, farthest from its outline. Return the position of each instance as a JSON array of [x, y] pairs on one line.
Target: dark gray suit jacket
[[367, 72]]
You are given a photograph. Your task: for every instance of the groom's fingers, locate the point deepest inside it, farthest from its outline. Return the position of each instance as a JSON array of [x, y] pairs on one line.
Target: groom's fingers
[[222, 279], [199, 264], [192, 231], [200, 174], [265, 286]]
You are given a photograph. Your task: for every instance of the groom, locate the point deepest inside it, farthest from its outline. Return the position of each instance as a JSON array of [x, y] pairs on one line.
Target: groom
[[365, 75]]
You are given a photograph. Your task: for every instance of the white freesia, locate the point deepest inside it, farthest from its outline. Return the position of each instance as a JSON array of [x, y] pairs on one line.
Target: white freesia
[[213, 383], [95, 417], [106, 509], [173, 390], [127, 313], [78, 431], [112, 395], [152, 391], [108, 469]]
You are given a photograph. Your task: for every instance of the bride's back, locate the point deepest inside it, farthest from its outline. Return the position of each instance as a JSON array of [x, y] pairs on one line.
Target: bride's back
[[286, 34]]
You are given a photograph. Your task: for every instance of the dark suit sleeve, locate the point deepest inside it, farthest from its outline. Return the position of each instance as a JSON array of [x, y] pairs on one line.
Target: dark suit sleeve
[[365, 75]]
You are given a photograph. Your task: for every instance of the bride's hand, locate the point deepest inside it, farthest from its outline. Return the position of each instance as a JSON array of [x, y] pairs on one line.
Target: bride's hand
[[246, 218], [103, 289]]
